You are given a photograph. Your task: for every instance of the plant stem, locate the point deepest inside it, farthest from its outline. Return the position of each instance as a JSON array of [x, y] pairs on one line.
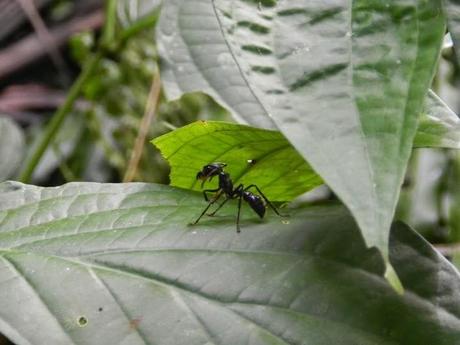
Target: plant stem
[[453, 192], [405, 206], [150, 110], [108, 34], [59, 118]]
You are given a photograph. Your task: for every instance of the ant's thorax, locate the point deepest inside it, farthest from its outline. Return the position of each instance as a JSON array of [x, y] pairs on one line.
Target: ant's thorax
[[226, 184]]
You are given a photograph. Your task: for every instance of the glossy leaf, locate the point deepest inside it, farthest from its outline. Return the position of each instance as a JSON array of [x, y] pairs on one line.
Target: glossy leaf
[[12, 146], [439, 126], [90, 263], [253, 156], [344, 81]]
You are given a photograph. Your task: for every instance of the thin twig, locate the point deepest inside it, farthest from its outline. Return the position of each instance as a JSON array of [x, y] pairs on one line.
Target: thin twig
[[30, 48], [149, 114], [11, 15], [43, 34], [24, 97]]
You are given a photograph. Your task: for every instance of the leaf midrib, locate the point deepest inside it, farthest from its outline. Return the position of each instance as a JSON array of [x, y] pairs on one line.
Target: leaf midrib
[[261, 104]]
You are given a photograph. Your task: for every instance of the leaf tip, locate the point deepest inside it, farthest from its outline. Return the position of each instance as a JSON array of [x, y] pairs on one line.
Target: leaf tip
[[392, 277]]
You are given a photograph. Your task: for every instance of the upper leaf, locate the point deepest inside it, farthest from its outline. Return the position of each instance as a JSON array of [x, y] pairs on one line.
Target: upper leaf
[[344, 81], [91, 263]]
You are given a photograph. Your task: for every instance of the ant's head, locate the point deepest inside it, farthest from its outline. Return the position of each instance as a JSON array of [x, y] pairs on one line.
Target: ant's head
[[209, 171]]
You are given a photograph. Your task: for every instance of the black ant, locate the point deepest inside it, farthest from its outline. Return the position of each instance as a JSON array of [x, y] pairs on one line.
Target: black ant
[[226, 188]]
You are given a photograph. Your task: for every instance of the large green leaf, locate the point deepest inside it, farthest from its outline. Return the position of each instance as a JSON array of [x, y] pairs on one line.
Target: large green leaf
[[344, 81], [253, 156], [91, 263], [12, 147]]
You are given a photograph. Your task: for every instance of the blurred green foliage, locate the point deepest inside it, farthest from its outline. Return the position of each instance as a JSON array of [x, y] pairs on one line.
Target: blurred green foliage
[[116, 95]]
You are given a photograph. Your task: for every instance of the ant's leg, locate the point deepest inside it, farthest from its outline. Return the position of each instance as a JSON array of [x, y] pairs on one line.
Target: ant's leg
[[238, 215], [209, 191], [266, 200], [238, 193], [218, 208], [207, 208], [210, 179]]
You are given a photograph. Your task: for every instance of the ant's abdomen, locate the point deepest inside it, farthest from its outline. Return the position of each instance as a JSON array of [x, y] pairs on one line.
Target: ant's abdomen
[[255, 202]]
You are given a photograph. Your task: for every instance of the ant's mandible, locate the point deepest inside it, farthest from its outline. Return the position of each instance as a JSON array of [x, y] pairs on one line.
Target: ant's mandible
[[226, 188]]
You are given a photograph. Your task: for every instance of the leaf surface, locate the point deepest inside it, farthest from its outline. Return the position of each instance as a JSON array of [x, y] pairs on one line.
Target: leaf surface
[[91, 263], [344, 81]]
